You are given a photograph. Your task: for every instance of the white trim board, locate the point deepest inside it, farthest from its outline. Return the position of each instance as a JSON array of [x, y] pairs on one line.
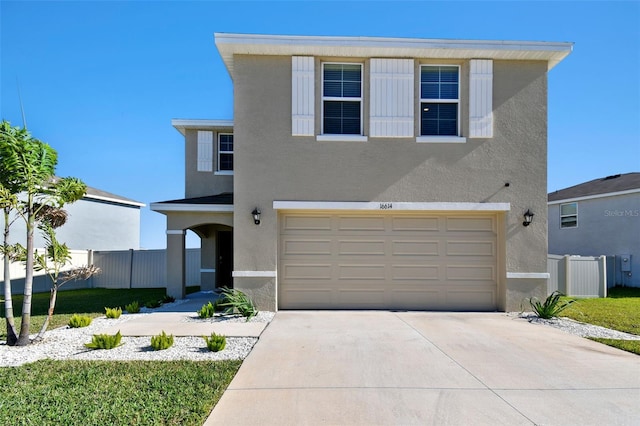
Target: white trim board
[[593, 197], [528, 275], [389, 206], [253, 274]]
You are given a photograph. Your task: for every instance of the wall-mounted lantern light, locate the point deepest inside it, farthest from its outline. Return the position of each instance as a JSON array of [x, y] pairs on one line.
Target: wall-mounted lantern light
[[528, 218], [256, 216]]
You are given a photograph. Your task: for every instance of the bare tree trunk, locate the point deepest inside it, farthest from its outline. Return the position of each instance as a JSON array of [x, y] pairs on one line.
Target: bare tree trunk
[[12, 338], [23, 338], [52, 305]]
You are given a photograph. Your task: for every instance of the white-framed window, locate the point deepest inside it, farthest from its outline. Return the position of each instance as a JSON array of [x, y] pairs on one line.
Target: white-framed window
[[341, 98], [225, 153], [439, 100], [569, 215]]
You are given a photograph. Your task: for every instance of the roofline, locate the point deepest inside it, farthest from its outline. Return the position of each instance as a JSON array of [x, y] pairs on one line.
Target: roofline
[[182, 125], [175, 207], [230, 44], [594, 196], [115, 200]]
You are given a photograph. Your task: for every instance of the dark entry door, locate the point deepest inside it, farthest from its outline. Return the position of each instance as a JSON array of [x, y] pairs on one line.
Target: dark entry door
[[224, 263]]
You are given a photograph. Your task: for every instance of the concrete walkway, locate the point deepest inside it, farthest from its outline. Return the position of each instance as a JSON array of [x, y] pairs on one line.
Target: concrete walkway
[[175, 319], [385, 368]]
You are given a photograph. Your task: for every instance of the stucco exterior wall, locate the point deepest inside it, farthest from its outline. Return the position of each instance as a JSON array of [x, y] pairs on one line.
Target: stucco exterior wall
[[606, 226], [199, 184], [271, 164], [92, 224]]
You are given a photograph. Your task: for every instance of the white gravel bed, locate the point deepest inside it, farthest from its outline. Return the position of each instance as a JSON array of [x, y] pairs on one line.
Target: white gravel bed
[[68, 343], [262, 316], [578, 328]]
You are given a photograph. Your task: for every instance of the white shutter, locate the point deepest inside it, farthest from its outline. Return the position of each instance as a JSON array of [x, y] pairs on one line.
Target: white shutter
[[391, 100], [205, 151], [481, 99], [302, 96]]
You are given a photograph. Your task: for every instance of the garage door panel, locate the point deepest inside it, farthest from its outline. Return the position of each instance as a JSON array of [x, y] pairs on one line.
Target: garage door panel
[[470, 248], [417, 273], [361, 298], [415, 248], [364, 247], [308, 298], [361, 223], [468, 299], [467, 224], [307, 223], [401, 223], [361, 272], [470, 273], [307, 272], [301, 247]]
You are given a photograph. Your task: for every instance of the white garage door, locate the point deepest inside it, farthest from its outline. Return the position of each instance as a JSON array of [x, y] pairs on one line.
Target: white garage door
[[387, 261]]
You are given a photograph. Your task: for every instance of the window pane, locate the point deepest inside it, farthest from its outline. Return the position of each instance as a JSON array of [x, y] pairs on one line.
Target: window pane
[[439, 82], [333, 88], [430, 75], [569, 222], [430, 91], [439, 119], [566, 209], [448, 91], [351, 89], [449, 74], [226, 161], [342, 118]]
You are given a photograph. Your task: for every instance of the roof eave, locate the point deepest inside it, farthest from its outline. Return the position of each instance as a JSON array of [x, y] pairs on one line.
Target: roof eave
[[230, 44], [182, 125]]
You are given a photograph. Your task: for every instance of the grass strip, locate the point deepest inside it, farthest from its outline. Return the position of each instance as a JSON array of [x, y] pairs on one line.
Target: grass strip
[[102, 393], [632, 346]]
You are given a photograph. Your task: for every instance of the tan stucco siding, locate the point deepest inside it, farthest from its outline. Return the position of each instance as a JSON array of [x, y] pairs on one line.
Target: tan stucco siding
[[199, 184], [273, 165]]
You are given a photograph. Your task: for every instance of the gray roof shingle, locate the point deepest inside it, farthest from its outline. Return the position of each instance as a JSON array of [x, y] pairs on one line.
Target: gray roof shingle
[[614, 183]]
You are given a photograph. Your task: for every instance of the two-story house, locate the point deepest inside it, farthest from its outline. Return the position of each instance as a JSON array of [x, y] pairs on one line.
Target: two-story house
[[371, 173]]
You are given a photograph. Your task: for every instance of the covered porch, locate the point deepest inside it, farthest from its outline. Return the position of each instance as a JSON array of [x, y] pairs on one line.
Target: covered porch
[[211, 219]]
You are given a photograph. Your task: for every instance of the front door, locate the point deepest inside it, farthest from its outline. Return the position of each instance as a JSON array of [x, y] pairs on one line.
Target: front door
[[224, 262]]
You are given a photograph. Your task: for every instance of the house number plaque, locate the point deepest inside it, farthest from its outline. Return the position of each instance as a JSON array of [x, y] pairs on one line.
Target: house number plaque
[[386, 206]]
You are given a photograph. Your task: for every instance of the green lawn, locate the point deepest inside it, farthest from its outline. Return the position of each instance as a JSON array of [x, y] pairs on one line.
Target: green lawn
[[620, 311], [112, 393]]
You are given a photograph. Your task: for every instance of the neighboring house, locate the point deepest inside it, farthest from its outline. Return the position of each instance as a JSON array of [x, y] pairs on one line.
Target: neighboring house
[[98, 221], [384, 173], [599, 217]]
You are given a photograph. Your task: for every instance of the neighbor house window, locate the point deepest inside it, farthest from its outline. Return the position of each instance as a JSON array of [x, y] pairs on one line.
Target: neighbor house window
[[342, 99], [225, 152], [569, 215], [439, 100]]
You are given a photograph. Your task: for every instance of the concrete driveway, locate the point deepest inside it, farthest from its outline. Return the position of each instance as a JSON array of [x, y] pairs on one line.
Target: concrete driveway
[[409, 368]]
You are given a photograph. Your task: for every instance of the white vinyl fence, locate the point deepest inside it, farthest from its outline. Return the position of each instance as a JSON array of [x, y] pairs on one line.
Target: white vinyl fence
[[580, 276], [120, 269]]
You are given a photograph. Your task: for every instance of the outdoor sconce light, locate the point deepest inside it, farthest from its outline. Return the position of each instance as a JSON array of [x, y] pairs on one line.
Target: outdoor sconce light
[[528, 218], [256, 216]]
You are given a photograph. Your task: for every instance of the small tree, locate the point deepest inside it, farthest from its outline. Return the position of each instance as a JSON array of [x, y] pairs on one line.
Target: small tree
[[8, 202]]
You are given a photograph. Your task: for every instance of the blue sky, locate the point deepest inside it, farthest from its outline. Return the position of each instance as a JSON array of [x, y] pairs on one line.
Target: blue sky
[[101, 81]]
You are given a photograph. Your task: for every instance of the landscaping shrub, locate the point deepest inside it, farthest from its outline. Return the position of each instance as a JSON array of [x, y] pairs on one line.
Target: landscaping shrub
[[113, 312], [168, 299], [161, 341], [105, 341], [77, 321], [551, 307], [133, 307], [152, 304], [236, 301], [208, 310], [215, 342]]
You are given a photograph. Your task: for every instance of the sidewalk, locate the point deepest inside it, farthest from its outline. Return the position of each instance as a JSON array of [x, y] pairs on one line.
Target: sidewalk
[[181, 319]]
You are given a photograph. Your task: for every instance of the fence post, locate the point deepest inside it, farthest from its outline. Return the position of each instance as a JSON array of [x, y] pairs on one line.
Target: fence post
[[603, 275], [131, 268], [567, 274]]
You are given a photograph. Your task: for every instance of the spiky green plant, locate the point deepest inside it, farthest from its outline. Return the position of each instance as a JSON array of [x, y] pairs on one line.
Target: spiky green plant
[[133, 307], [77, 321], [152, 304], [105, 341], [208, 310], [236, 301], [161, 341], [215, 342], [113, 313], [551, 307], [168, 299]]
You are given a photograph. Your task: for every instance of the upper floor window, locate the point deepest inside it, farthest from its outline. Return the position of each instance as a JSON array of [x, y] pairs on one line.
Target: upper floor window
[[342, 99], [439, 100], [225, 152], [569, 215]]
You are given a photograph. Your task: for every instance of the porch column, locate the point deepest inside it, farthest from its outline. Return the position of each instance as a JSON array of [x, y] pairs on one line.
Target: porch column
[[176, 263]]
